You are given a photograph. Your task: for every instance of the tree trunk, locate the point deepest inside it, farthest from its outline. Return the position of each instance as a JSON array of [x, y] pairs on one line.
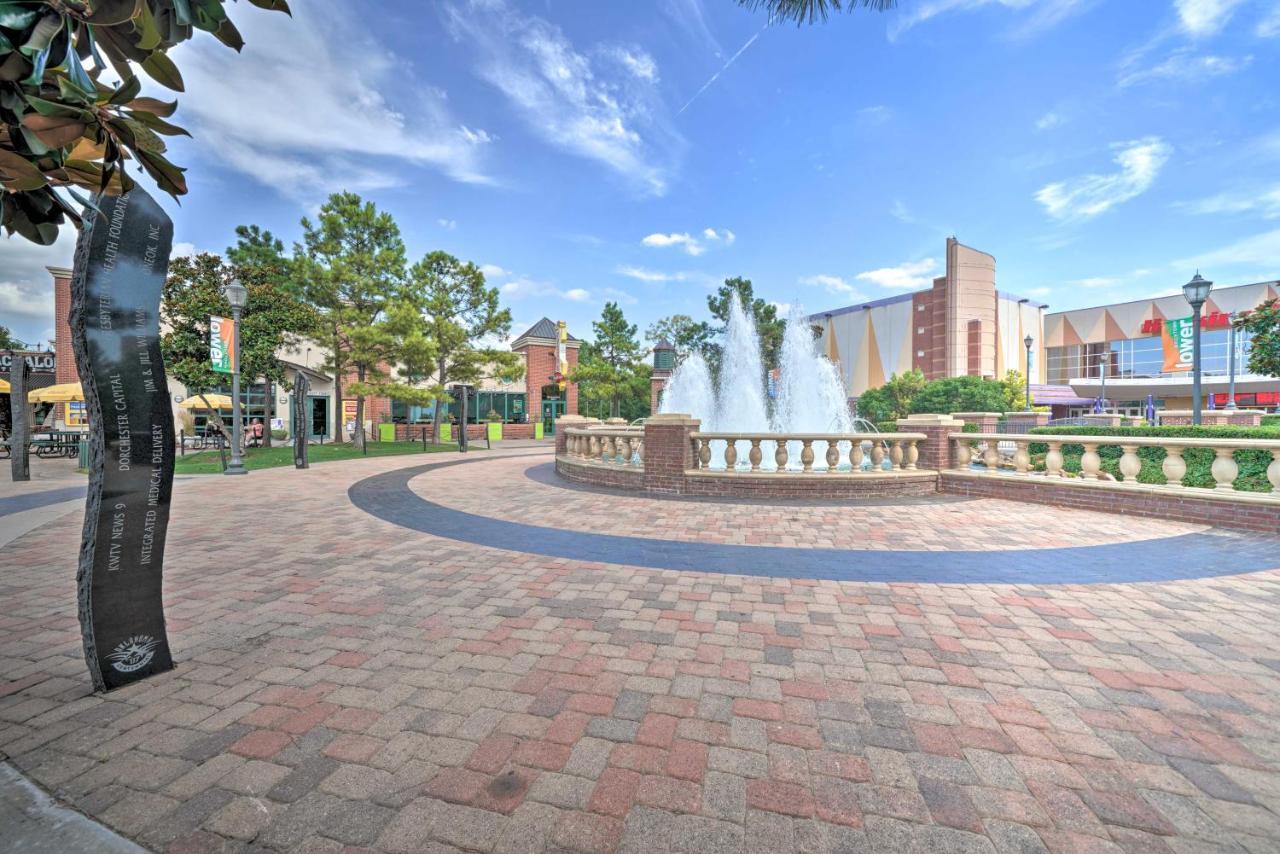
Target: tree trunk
[[358, 439], [268, 412], [437, 415], [20, 417], [337, 388]]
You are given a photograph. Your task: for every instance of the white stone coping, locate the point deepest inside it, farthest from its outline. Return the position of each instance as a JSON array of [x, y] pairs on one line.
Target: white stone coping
[[1267, 499], [1272, 445], [818, 437], [817, 476]]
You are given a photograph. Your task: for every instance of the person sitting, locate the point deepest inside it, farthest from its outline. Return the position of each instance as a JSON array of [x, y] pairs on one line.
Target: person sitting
[[253, 438]]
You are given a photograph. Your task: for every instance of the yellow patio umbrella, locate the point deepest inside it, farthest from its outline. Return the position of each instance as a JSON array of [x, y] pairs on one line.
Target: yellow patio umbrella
[[61, 393], [206, 401], [4, 386]]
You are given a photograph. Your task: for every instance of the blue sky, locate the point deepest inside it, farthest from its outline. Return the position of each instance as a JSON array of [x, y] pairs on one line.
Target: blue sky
[[642, 151]]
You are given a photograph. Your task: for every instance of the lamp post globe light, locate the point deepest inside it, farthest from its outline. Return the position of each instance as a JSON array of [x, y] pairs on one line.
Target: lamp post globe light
[[1028, 341], [1196, 292], [237, 295]]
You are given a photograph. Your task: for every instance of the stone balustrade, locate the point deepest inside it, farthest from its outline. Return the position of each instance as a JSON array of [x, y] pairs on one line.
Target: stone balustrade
[[622, 446], [830, 453], [1003, 453]]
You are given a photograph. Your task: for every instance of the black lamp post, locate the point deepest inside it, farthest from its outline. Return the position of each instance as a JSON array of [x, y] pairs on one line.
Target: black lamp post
[[1028, 341], [238, 295], [1196, 291]]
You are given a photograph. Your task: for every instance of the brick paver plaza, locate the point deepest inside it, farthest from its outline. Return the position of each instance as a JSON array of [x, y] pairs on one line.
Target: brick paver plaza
[[345, 682]]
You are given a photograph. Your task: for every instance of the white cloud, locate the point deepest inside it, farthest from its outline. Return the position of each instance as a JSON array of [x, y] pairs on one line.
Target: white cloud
[[447, 224], [1049, 121], [1035, 15], [1269, 26], [1097, 282], [524, 287], [26, 288], [605, 107], [875, 115], [618, 295], [1204, 17], [643, 275], [334, 110], [184, 249], [1184, 64], [1140, 161], [1038, 292], [832, 284], [1265, 202], [1261, 250], [493, 271], [905, 276], [690, 244]]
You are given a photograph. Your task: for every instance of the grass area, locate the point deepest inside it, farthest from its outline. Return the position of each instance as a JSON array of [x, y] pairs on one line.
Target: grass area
[[208, 462]]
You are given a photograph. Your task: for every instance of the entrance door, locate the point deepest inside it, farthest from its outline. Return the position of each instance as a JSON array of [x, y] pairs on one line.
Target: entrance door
[[319, 417], [551, 410]]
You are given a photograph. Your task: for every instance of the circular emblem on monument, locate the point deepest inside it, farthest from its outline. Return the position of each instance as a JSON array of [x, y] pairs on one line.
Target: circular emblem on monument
[[133, 653]]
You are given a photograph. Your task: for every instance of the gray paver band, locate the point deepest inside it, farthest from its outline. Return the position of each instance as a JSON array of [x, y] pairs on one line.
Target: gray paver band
[[389, 497]]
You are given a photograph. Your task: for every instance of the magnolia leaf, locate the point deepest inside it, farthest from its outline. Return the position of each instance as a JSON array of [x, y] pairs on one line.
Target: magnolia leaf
[[157, 124], [18, 174], [52, 108], [154, 106], [54, 131], [87, 149], [145, 26], [229, 35], [107, 13], [161, 69], [15, 16], [126, 91], [273, 6], [144, 138], [42, 34], [166, 175]]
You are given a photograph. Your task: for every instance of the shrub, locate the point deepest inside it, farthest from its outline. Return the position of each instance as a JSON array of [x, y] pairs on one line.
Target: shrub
[[279, 435], [1253, 464], [1271, 420]]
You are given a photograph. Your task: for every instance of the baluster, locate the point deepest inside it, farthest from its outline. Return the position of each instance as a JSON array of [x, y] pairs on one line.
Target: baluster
[[877, 457], [913, 454], [1224, 469], [833, 455], [806, 455], [640, 451], [755, 455], [608, 453], [731, 455], [855, 456], [1130, 465], [1053, 460], [895, 454], [991, 456], [625, 451], [1173, 466], [1273, 472], [704, 454], [964, 454], [1090, 462], [780, 455], [1022, 456]]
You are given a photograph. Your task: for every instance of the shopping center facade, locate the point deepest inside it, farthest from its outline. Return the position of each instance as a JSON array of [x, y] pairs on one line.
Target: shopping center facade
[[964, 324]]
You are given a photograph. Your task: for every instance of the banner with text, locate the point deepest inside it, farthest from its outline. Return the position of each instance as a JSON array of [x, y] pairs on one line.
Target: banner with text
[[222, 336], [1176, 337]]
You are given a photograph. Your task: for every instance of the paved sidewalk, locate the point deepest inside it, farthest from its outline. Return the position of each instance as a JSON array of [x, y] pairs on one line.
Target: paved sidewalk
[[34, 824], [348, 683]]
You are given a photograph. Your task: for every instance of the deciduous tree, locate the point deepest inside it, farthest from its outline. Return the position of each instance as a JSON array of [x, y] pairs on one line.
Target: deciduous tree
[[351, 264], [8, 342], [682, 332], [1263, 325], [463, 320], [810, 11], [62, 128]]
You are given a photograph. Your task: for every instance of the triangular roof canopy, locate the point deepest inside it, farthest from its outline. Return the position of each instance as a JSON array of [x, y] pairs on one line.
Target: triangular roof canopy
[[545, 330]]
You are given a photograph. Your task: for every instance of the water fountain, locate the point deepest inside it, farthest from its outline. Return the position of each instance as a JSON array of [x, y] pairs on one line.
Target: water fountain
[[810, 396]]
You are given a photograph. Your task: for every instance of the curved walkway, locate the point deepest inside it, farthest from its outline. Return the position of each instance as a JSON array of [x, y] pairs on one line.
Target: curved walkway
[[390, 497]]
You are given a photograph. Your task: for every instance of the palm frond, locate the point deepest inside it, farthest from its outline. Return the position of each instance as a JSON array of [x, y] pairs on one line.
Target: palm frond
[[811, 11]]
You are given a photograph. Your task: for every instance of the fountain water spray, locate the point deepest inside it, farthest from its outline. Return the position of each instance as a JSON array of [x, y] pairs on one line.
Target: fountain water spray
[[810, 395]]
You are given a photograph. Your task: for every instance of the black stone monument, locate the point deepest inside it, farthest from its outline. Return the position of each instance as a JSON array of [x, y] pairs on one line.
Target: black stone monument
[[301, 420], [121, 260], [19, 417]]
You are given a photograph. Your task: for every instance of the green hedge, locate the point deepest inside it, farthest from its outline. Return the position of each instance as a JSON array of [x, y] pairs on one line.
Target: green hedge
[[1253, 464], [1271, 421]]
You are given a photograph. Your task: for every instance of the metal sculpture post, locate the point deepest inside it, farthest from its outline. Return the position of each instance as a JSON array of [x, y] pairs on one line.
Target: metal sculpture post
[[19, 417], [301, 425], [121, 260]]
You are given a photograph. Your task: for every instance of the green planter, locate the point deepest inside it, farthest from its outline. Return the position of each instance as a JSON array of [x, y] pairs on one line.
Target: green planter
[[446, 433], [495, 430], [537, 429], [386, 432]]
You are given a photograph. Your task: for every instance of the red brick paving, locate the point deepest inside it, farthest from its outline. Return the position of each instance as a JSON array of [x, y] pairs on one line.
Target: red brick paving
[[345, 683]]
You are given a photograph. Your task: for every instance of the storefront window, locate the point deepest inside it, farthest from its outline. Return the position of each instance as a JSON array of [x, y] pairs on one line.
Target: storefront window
[[1140, 357]]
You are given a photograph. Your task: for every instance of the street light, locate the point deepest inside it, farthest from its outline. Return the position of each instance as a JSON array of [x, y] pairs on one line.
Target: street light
[[1103, 363], [1231, 361], [1196, 291], [238, 295], [1028, 341]]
